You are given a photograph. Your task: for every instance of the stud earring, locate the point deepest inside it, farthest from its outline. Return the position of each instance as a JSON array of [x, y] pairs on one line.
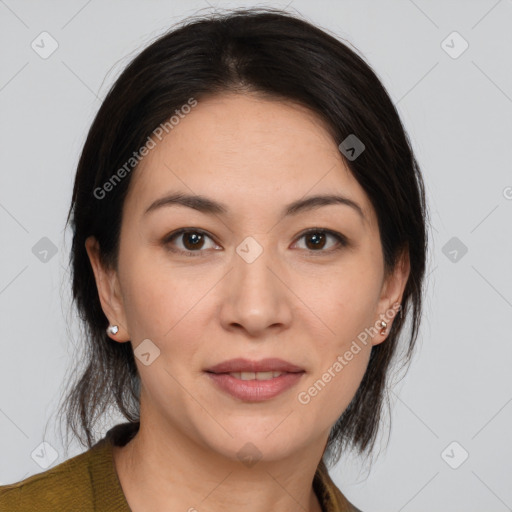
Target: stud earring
[[383, 327], [112, 329]]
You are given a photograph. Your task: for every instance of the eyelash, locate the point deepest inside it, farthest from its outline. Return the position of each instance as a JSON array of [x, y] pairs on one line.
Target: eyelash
[[342, 241]]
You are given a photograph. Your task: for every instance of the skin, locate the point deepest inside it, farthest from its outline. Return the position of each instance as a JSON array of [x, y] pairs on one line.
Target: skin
[[302, 304]]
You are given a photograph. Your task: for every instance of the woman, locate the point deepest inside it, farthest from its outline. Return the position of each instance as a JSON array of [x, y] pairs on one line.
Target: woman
[[248, 219]]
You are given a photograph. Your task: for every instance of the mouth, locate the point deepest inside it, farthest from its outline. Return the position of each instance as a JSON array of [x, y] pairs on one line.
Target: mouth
[[254, 375], [247, 366], [255, 381]]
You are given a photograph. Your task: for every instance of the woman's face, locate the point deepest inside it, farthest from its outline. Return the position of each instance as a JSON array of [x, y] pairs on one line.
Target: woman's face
[[246, 280]]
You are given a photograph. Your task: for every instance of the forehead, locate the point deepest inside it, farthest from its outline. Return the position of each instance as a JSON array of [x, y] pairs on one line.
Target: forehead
[[247, 152]]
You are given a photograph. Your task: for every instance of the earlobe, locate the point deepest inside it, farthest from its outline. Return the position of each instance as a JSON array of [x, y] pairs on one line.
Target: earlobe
[[385, 322], [390, 303], [106, 280]]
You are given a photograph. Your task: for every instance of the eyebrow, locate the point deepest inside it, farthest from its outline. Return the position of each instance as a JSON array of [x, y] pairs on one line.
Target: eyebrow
[[209, 206]]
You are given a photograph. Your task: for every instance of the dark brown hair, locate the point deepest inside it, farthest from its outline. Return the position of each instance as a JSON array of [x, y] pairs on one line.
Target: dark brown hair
[[281, 56]]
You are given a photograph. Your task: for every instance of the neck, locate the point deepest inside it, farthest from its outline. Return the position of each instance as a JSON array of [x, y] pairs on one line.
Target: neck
[[163, 471]]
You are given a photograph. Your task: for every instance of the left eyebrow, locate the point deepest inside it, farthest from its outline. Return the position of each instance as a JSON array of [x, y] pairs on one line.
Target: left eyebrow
[[209, 206], [314, 202]]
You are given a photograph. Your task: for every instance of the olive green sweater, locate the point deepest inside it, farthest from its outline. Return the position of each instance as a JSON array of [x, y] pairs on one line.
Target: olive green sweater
[[88, 483]]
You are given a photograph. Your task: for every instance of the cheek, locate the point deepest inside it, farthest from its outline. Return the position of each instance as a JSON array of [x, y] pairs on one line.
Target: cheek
[[166, 303], [327, 394], [155, 297], [344, 298], [343, 362]]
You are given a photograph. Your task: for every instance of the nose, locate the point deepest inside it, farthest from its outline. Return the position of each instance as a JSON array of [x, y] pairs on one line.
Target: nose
[[256, 297]]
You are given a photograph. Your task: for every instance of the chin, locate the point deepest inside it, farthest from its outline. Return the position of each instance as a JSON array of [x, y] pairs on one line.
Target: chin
[[251, 443]]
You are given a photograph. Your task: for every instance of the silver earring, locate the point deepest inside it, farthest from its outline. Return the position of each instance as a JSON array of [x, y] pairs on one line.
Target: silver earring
[[112, 329]]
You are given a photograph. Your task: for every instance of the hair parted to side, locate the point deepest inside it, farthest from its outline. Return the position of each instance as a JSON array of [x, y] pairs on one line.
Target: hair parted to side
[[280, 56]]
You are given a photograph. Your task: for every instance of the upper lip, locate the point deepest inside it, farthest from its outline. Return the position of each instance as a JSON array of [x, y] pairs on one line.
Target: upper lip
[[263, 365]]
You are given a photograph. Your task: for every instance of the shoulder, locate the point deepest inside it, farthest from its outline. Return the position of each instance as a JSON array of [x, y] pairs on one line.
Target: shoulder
[[66, 486]]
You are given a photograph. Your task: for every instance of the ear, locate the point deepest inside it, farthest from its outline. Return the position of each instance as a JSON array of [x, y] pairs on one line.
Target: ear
[[109, 291], [391, 295]]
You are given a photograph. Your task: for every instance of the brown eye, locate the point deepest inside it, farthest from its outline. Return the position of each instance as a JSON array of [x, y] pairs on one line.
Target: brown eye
[[193, 240], [317, 240], [188, 241]]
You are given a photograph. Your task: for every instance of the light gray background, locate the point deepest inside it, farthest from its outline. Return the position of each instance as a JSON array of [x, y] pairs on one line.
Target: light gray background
[[458, 114]]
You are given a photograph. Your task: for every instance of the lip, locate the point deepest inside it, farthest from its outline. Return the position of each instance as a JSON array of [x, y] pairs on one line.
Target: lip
[[246, 365], [255, 390]]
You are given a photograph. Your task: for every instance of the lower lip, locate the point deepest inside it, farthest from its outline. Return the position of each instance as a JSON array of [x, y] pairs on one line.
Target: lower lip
[[255, 390]]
